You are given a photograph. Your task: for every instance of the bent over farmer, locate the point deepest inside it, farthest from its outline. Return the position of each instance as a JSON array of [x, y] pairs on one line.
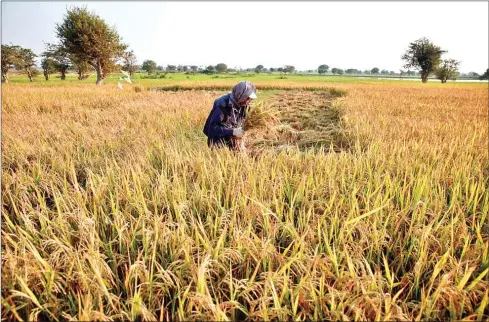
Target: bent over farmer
[[224, 126]]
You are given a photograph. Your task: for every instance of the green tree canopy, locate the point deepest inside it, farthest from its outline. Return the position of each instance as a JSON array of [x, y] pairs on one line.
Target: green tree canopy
[[89, 38], [149, 66], [129, 62], [221, 68], [423, 56], [447, 69], [323, 69]]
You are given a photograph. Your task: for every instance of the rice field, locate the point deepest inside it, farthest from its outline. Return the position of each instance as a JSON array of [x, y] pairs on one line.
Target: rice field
[[353, 201]]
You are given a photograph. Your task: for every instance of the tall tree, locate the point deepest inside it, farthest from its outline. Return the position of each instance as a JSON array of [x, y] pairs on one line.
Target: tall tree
[[221, 68], [258, 69], [129, 62], [374, 70], [423, 56], [447, 69], [323, 69], [49, 67], [59, 56], [289, 69], [86, 36], [9, 54], [149, 66], [25, 61]]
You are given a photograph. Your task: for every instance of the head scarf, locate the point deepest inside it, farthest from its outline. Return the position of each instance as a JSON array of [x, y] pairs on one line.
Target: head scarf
[[241, 92]]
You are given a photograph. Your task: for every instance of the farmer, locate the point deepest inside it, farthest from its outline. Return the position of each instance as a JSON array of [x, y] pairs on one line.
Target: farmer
[[224, 126]]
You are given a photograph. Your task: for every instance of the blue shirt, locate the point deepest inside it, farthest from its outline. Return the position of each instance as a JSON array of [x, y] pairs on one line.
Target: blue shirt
[[224, 117]]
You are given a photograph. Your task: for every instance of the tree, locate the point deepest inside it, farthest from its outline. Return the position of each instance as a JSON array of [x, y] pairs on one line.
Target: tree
[[49, 67], [334, 71], [473, 75], [323, 69], [392, 72], [374, 70], [210, 70], [129, 61], [485, 75], [423, 56], [289, 69], [258, 69], [384, 72], [193, 68], [366, 71], [9, 54], [171, 68], [221, 68], [60, 57], [272, 69], [149, 66], [339, 71], [81, 67], [352, 71], [447, 69], [25, 60], [87, 37]]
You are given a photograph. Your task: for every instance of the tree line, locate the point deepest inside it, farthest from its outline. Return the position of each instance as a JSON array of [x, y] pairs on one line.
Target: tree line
[[150, 67], [87, 43]]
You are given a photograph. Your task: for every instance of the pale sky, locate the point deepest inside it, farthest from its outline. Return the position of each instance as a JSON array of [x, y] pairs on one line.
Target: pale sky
[[359, 35]]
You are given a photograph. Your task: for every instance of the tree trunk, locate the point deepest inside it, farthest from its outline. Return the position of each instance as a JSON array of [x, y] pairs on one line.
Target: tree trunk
[[63, 75], [100, 75], [29, 74], [46, 75], [424, 78], [443, 81], [4, 78]]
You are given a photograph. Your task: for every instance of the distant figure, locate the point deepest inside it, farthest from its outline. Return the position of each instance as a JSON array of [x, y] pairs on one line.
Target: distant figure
[[224, 126]]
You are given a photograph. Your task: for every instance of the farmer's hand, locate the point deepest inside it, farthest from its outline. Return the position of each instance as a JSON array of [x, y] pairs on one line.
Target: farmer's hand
[[238, 132]]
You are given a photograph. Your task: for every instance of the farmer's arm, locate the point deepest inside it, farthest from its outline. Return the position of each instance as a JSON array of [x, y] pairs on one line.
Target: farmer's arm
[[215, 128]]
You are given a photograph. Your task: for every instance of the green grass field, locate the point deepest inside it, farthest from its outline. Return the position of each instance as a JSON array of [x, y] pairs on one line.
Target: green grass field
[[182, 78]]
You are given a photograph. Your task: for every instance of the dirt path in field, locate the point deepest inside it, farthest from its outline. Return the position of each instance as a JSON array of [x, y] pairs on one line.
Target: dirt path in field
[[296, 120]]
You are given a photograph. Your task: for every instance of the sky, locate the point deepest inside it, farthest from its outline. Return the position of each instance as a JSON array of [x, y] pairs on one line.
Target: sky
[[359, 35]]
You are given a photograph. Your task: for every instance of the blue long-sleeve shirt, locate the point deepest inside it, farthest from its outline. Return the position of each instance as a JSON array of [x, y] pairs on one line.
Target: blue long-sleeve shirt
[[223, 118]]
